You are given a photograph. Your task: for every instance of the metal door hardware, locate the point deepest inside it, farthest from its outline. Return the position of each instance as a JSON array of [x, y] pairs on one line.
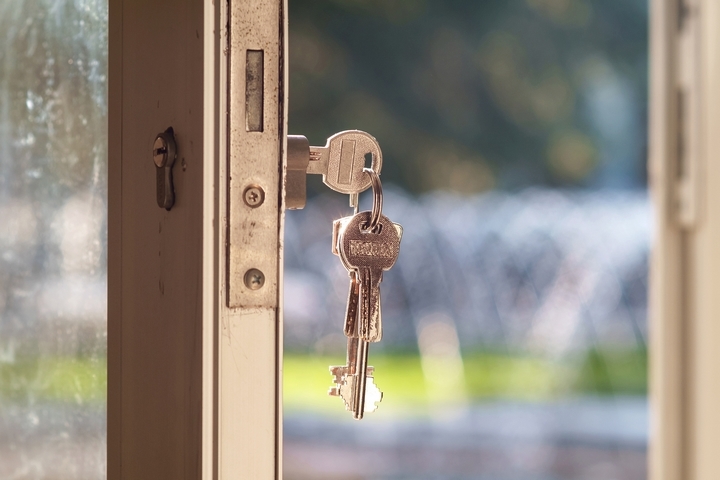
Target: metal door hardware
[[164, 155], [254, 196], [254, 279], [298, 157], [341, 162]]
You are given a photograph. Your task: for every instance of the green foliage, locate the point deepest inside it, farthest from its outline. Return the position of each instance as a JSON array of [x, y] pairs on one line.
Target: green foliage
[[614, 371], [487, 376], [77, 380], [470, 95]]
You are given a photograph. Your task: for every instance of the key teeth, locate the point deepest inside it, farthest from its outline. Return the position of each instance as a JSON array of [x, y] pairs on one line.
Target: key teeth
[[338, 372], [347, 401], [344, 389], [373, 396]]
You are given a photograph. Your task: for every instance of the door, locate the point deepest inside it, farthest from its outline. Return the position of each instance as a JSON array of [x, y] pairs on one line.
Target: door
[[194, 330]]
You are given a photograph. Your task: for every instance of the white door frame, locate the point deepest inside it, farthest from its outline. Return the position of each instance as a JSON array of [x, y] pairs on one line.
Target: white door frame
[[685, 276]]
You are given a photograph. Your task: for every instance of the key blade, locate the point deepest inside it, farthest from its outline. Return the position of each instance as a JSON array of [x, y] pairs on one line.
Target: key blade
[[361, 383], [339, 373], [318, 163], [351, 313], [346, 391], [370, 321]]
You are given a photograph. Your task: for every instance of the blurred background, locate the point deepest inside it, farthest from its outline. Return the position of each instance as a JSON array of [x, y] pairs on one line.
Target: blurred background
[[514, 142], [514, 146], [53, 213]]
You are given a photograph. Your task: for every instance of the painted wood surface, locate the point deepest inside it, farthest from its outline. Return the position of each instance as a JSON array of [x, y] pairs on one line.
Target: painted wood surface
[[193, 386]]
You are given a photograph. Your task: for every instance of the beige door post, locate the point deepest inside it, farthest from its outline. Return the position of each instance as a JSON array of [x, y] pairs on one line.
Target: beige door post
[[684, 172], [194, 320]]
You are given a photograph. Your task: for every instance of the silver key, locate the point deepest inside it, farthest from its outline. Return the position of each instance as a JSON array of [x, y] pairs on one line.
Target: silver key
[[359, 392], [368, 244], [369, 253], [341, 162], [342, 159]]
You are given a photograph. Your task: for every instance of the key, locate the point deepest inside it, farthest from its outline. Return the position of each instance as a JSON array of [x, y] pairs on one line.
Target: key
[[368, 244], [342, 159], [359, 392], [340, 162], [368, 254]]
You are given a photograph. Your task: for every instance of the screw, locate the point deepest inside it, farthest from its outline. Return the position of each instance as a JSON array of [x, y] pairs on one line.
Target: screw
[[254, 196], [254, 279], [160, 151]]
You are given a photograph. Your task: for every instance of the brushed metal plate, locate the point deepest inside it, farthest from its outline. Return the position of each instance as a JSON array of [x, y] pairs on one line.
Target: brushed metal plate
[[256, 130]]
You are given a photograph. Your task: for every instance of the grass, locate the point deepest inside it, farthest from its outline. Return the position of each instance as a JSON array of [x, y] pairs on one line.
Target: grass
[[400, 376], [486, 376]]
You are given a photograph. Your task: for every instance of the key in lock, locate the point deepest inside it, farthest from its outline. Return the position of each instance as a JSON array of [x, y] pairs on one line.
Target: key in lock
[[341, 162]]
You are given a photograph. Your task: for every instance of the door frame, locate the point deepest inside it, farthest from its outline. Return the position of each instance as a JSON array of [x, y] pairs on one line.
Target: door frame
[[684, 176], [194, 380]]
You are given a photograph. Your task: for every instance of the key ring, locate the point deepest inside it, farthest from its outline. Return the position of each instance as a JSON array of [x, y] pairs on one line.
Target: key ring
[[377, 199]]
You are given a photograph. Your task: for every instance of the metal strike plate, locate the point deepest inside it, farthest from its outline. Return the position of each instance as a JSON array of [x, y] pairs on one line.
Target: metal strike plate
[[256, 150]]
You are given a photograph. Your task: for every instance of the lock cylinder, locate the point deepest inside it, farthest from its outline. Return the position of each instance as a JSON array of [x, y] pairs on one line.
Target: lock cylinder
[[164, 155], [298, 158]]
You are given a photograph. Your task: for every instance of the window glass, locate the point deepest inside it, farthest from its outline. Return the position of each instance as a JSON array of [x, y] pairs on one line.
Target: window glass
[[53, 210], [515, 320]]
